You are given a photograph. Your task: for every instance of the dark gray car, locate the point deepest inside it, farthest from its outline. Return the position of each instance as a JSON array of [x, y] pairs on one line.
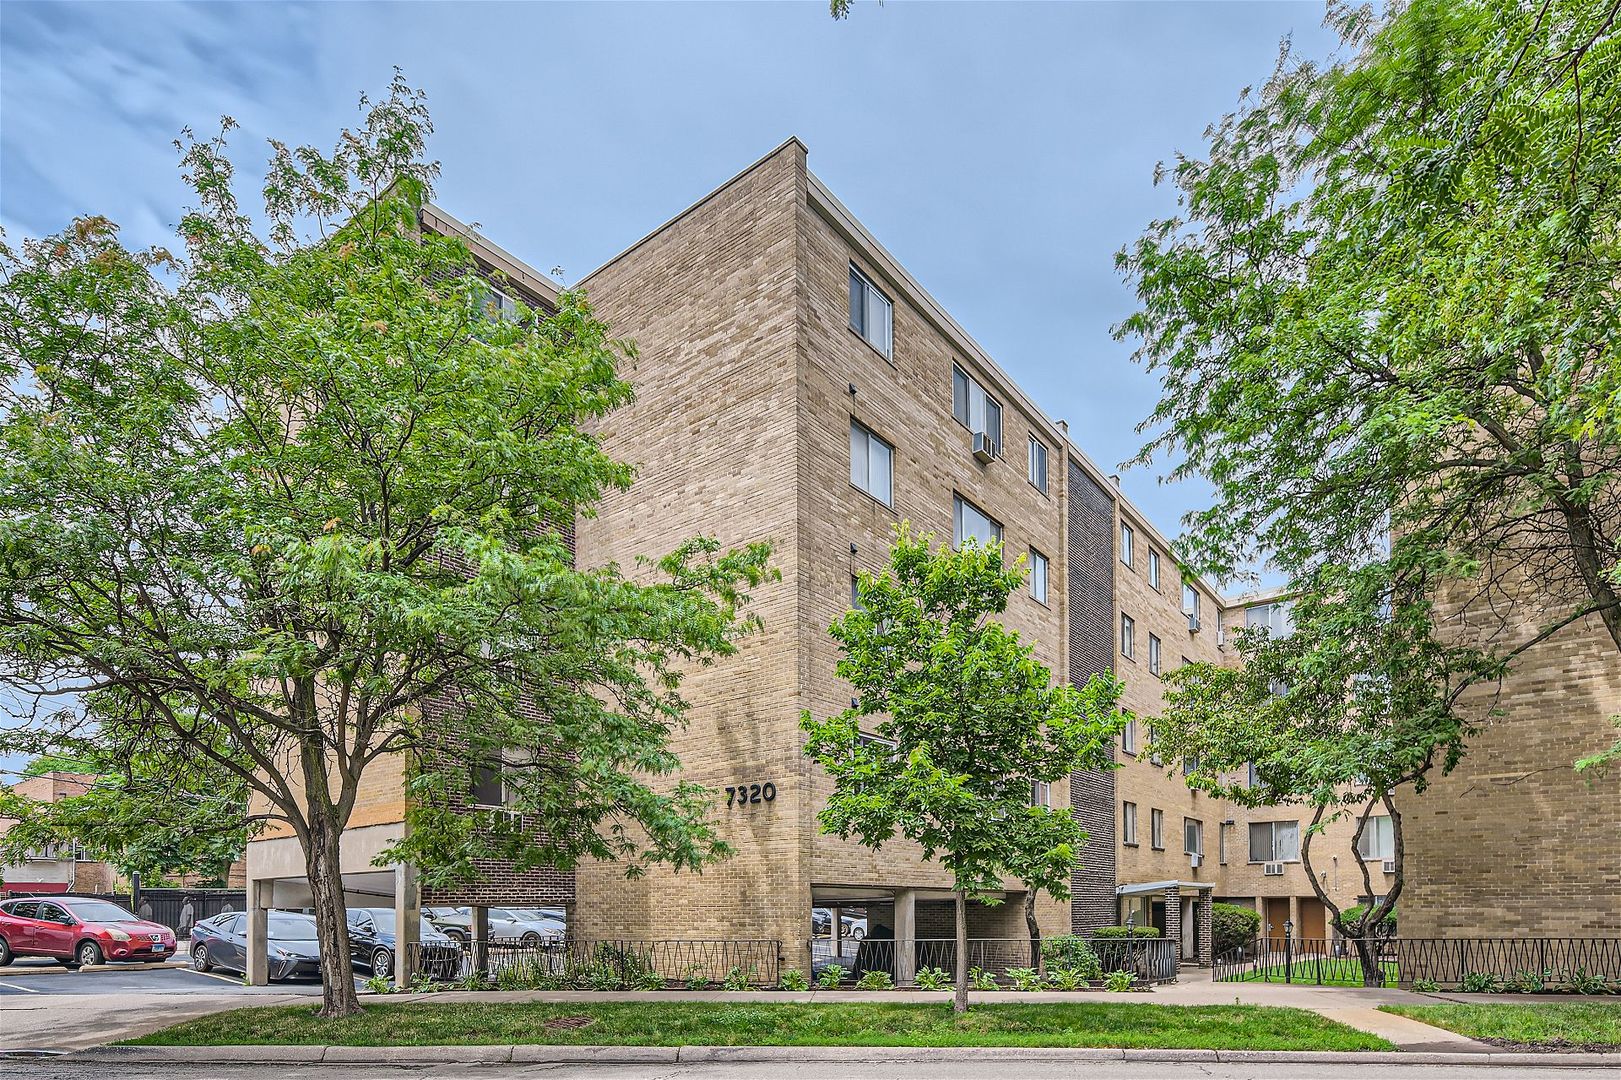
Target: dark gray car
[[222, 942]]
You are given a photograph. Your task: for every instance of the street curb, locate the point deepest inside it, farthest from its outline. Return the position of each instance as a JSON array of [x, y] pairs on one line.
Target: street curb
[[545, 1054]]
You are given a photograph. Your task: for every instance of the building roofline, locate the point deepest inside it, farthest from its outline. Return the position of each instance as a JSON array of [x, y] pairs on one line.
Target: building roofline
[[482, 248], [1147, 887], [792, 140]]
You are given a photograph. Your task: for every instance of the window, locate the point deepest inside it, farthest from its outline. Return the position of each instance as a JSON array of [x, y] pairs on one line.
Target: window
[[1192, 837], [1250, 778], [1041, 793], [1221, 843], [1153, 654], [872, 464], [1038, 466], [1190, 765], [855, 593], [488, 789], [1128, 737], [1153, 568], [974, 408], [1038, 575], [1128, 637], [1154, 755], [1274, 841], [969, 522], [1156, 829], [1190, 604], [1275, 618], [1378, 839], [1128, 823], [1127, 535], [871, 314]]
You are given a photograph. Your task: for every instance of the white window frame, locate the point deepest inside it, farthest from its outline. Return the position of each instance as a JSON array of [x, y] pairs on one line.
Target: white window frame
[[958, 519], [1039, 568], [1383, 836], [863, 441], [872, 300], [1041, 793], [1190, 600], [1275, 617], [1128, 542], [1156, 829], [1128, 636], [1128, 737], [975, 408], [1036, 471], [1272, 838], [1155, 648], [1195, 828], [1153, 568], [1128, 823]]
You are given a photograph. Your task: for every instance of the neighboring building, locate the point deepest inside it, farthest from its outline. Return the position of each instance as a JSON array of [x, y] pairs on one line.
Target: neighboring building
[[795, 384], [56, 867]]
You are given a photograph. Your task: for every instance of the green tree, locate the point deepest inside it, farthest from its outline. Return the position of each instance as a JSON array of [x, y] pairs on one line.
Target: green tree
[[297, 503], [966, 720], [148, 816], [1386, 322]]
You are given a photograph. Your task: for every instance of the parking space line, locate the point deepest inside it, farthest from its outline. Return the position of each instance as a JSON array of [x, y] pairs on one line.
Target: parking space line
[[14, 986], [211, 975]]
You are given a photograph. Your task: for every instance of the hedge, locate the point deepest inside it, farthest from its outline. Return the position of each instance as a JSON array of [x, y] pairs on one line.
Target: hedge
[[1232, 927]]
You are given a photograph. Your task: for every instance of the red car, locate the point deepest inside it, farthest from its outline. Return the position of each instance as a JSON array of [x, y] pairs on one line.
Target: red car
[[78, 931]]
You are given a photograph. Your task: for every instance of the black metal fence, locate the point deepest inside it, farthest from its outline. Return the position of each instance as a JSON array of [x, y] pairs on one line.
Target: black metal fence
[[605, 964], [1151, 960], [178, 909], [1527, 964]]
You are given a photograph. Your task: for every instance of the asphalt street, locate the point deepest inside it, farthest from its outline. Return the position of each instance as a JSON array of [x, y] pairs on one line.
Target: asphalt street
[[945, 1068], [36, 977]]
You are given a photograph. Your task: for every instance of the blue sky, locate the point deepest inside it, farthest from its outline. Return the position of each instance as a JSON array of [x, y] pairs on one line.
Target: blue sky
[[1003, 152]]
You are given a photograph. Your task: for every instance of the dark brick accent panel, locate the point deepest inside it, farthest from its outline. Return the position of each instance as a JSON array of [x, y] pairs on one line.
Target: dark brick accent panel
[[1090, 557]]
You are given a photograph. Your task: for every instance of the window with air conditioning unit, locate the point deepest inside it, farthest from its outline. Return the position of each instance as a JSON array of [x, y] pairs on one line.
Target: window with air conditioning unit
[[1378, 841], [977, 411], [1190, 607], [1272, 869], [1388, 866]]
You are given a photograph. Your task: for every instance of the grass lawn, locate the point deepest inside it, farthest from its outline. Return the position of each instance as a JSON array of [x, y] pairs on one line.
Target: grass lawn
[[1324, 971], [1556, 1025], [656, 1023]]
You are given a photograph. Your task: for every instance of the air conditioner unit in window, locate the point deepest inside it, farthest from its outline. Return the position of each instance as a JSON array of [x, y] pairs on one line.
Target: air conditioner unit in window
[[1272, 869], [1193, 621], [984, 447], [1195, 859], [1390, 866]]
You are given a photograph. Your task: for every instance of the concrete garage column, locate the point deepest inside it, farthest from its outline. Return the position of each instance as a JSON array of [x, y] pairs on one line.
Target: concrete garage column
[[407, 926], [905, 937], [478, 938], [258, 919]]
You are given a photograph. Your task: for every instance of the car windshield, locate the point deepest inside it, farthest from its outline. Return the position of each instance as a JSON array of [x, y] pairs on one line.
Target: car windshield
[[384, 918], [290, 927], [534, 915], [98, 911]]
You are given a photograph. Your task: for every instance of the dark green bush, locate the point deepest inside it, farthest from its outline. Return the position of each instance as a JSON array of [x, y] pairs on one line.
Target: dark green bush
[[1385, 928], [1066, 952], [1124, 931], [1232, 927]]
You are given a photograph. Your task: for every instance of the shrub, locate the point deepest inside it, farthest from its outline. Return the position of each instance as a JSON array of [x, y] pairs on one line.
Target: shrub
[[1481, 982], [1066, 979], [1024, 978], [601, 976], [379, 984], [1386, 927], [1581, 982], [1232, 927], [695, 979], [875, 980], [737, 978], [647, 979], [1530, 982], [980, 979], [794, 979], [831, 977], [1118, 982], [1070, 953], [933, 979], [1426, 986], [1126, 931]]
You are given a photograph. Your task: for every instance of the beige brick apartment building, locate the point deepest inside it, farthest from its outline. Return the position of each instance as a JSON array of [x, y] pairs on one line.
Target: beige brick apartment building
[[796, 384]]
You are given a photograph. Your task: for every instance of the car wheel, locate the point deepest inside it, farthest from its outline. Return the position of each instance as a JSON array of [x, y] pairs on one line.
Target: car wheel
[[382, 963], [530, 940], [858, 934], [88, 954], [5, 952], [458, 936], [200, 960]]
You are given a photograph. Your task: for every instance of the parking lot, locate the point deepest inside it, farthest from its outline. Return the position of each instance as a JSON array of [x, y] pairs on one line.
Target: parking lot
[[30, 977]]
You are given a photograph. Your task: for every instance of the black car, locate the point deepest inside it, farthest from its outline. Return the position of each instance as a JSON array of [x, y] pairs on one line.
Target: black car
[[373, 943], [222, 942]]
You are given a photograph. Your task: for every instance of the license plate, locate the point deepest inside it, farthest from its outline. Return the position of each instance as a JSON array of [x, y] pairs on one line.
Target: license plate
[[158, 948]]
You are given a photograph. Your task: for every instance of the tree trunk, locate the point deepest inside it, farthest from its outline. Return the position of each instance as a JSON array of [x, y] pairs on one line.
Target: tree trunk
[[959, 1001], [1367, 953], [1033, 928], [331, 919]]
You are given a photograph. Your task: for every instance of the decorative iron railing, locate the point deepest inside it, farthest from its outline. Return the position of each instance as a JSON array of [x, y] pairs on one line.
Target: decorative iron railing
[[1451, 963], [1151, 960], [602, 963]]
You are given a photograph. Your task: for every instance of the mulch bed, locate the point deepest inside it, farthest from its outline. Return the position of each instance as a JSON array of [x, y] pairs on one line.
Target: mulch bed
[[1552, 1046], [570, 1022]]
